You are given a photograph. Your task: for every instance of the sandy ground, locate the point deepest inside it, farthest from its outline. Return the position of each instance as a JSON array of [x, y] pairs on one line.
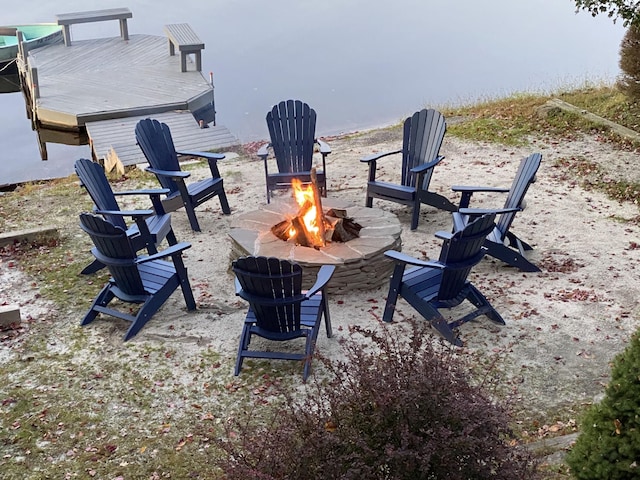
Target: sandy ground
[[563, 325]]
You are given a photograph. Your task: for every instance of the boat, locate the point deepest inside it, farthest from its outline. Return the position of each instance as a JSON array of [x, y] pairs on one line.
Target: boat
[[34, 36]]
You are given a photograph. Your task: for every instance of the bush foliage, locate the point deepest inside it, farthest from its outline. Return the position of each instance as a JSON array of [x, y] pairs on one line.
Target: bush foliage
[[393, 409], [609, 443], [629, 81]]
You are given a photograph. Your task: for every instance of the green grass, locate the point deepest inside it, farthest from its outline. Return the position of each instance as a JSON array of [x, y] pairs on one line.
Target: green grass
[[513, 120]]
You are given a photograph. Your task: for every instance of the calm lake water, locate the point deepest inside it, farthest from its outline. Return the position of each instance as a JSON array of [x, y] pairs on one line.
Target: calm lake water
[[359, 63]]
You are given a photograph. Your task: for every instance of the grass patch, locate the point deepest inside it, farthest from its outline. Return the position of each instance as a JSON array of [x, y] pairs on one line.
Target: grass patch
[[592, 176], [515, 119]]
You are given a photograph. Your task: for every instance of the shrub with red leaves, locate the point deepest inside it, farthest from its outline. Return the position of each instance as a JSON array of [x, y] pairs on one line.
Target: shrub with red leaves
[[394, 409]]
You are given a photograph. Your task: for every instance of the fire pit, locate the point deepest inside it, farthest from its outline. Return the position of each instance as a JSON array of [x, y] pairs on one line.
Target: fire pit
[[360, 262]]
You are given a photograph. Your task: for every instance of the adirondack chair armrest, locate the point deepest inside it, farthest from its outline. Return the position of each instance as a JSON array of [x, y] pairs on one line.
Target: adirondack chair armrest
[[154, 195], [442, 235], [476, 212], [468, 191], [175, 175], [375, 156], [372, 160], [426, 166], [263, 151], [207, 155], [147, 191], [474, 189], [324, 275], [210, 157], [170, 251], [400, 257], [125, 213], [325, 149]]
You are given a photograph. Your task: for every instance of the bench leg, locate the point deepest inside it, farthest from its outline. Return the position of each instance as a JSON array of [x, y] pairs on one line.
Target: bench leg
[[198, 61], [124, 31], [183, 61], [172, 49], [66, 33]]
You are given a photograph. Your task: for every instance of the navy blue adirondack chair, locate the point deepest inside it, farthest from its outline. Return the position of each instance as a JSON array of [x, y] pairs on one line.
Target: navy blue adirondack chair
[[151, 226], [147, 280], [501, 243], [292, 130], [429, 286], [155, 141], [422, 138], [279, 310]]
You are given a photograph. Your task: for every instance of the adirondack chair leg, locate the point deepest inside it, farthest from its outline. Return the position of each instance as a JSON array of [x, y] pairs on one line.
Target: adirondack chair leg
[[93, 267], [310, 346], [171, 237], [465, 199], [185, 285], [520, 244], [440, 324], [480, 301], [438, 201], [369, 202], [193, 220], [415, 215], [224, 203], [394, 289], [146, 311], [244, 344], [327, 317], [510, 257], [102, 300], [151, 248]]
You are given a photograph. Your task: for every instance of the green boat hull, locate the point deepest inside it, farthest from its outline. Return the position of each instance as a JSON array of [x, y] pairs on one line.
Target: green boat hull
[[34, 36]]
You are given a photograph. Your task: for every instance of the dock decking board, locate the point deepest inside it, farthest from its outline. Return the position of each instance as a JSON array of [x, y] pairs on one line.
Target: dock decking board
[[107, 85], [118, 134], [107, 78]]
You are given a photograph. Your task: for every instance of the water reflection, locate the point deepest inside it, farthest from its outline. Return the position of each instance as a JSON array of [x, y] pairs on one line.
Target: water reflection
[[9, 83]]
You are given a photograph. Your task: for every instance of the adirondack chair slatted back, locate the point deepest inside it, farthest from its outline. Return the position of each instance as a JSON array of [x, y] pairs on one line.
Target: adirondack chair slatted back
[[93, 178], [525, 176], [155, 141], [275, 287], [292, 128], [461, 252], [423, 135], [111, 242]]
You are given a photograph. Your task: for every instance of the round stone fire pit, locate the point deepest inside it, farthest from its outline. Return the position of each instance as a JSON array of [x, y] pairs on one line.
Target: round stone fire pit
[[360, 263]]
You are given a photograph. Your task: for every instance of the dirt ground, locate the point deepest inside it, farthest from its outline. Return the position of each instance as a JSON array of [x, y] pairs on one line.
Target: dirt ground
[[563, 325]]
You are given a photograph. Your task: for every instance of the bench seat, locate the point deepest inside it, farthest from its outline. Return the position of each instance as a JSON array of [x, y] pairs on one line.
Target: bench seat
[[68, 19], [182, 37]]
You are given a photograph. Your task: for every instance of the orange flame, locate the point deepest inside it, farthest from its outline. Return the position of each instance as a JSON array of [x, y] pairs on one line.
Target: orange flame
[[302, 195]]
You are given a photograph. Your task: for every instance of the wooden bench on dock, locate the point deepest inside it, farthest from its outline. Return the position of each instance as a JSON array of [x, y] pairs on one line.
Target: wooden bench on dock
[[68, 19], [182, 36]]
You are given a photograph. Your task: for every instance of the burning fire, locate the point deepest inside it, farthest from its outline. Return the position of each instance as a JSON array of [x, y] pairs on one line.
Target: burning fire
[[306, 199], [311, 226]]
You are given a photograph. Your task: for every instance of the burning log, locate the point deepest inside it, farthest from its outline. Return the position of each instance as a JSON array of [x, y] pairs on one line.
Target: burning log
[[318, 204]]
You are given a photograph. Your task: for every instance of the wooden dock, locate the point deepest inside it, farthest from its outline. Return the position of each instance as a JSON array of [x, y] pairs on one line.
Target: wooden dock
[[111, 139], [86, 82]]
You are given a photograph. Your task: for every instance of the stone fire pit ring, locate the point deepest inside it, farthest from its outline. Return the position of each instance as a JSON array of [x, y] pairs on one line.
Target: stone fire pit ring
[[360, 263]]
